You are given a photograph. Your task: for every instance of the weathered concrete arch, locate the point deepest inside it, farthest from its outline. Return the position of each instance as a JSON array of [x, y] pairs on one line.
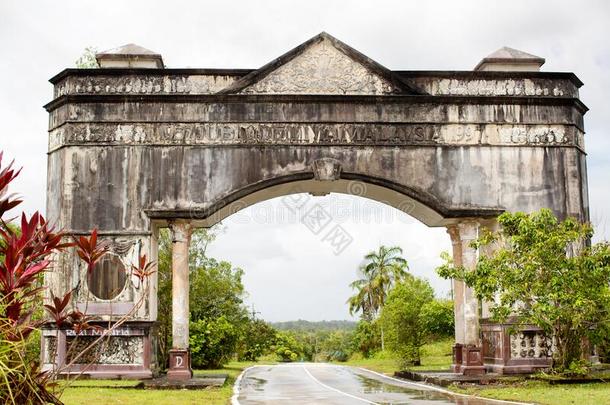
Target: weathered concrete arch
[[420, 205], [132, 149]]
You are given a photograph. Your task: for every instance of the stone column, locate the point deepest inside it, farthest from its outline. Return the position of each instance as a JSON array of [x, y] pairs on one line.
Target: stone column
[[458, 300], [179, 355], [467, 350]]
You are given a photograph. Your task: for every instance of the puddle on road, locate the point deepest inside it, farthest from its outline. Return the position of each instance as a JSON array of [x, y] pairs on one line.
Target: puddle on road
[[373, 386], [256, 383]]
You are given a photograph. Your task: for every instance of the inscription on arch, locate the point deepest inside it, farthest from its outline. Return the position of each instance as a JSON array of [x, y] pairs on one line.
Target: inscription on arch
[[313, 134]]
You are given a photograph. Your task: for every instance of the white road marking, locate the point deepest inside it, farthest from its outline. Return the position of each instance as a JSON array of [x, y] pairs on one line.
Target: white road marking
[[234, 398], [336, 390]]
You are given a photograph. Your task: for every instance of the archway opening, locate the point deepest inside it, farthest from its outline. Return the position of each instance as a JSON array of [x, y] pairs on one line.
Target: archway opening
[[333, 225]]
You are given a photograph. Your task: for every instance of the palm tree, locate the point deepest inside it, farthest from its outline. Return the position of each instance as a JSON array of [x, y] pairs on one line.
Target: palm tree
[[365, 299], [380, 272]]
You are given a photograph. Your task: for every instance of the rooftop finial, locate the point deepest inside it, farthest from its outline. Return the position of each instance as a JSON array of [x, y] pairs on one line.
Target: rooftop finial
[[129, 56], [509, 59]]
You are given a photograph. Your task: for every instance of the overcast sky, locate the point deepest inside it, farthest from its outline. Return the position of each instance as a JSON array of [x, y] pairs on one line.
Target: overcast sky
[[290, 273]]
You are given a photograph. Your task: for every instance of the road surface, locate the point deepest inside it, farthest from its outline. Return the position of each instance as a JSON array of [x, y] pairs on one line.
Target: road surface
[[319, 383]]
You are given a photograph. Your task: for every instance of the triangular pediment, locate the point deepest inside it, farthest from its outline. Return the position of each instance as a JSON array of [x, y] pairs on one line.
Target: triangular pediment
[[322, 65]]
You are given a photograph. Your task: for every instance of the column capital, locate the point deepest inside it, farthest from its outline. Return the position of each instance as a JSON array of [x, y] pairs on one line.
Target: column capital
[[469, 229], [454, 233], [465, 230], [180, 229]]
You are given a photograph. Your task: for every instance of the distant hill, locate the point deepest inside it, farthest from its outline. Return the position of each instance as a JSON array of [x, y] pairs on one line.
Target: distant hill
[[302, 325]]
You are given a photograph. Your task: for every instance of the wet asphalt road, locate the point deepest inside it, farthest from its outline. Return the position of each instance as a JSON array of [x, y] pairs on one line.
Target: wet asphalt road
[[315, 383]]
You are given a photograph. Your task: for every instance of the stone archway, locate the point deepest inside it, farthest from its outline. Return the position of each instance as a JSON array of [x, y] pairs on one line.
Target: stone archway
[[134, 148], [461, 230]]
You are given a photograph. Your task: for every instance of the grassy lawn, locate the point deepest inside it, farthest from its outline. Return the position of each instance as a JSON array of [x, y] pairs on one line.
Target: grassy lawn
[[86, 392], [542, 393], [435, 356]]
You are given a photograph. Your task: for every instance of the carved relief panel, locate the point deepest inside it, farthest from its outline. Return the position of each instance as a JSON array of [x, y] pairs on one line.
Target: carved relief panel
[[321, 69]]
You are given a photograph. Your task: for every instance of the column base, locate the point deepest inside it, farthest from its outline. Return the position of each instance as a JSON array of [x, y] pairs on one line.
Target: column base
[[179, 365], [456, 367], [472, 361]]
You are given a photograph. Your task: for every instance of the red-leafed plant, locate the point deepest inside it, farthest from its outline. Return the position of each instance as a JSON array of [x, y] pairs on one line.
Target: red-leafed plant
[[25, 254], [143, 270], [89, 250], [7, 175], [58, 309]]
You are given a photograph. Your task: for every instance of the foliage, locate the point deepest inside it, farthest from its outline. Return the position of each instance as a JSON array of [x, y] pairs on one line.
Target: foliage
[[578, 368], [544, 272], [437, 319], [87, 60], [602, 343], [332, 340], [216, 290], [24, 253], [434, 356], [366, 338], [401, 318], [309, 326], [379, 273], [322, 340], [382, 269], [286, 347], [256, 340], [212, 341], [337, 346], [310, 343]]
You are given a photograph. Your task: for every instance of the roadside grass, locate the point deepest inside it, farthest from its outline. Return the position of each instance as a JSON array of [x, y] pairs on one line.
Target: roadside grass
[[541, 392], [381, 363], [435, 356], [86, 392]]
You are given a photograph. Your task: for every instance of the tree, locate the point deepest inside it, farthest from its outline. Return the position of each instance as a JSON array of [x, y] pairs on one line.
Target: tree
[[544, 272], [366, 338], [337, 346], [286, 347], [366, 298], [212, 341], [87, 60], [401, 318], [256, 340], [381, 271], [437, 319]]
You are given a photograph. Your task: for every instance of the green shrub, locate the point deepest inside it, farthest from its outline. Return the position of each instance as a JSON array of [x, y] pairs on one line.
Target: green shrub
[[286, 347], [437, 319], [337, 346], [256, 340], [213, 342], [400, 319], [366, 338]]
